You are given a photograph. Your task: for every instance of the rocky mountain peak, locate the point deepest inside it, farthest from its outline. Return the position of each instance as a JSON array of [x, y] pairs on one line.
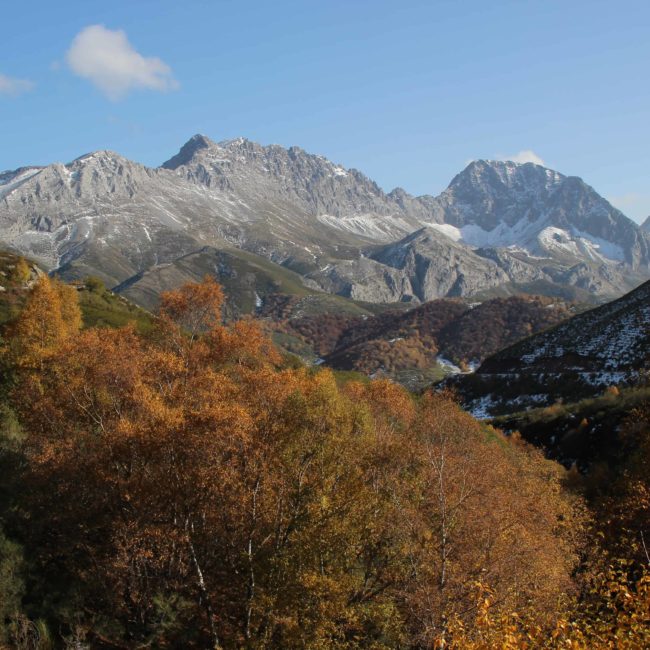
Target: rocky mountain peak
[[102, 163], [275, 174], [234, 143], [188, 151], [496, 177], [491, 194], [646, 224], [100, 155]]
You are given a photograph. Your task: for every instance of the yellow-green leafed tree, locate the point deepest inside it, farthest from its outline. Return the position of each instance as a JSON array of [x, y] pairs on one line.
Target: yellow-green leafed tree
[[51, 315], [70, 311]]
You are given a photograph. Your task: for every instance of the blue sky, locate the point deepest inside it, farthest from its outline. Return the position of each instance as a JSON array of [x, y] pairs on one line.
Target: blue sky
[[406, 91]]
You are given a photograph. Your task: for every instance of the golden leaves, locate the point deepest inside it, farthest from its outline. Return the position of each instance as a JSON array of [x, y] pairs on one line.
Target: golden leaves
[[50, 317], [195, 307]]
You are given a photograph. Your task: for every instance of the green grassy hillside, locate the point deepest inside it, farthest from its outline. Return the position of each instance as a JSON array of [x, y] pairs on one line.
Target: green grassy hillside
[[99, 306], [249, 281]]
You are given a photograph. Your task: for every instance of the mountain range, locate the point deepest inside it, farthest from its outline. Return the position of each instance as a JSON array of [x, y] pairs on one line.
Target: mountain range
[[497, 227]]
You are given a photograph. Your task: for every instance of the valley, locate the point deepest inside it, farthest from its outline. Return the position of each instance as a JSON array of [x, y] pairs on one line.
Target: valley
[[362, 364]]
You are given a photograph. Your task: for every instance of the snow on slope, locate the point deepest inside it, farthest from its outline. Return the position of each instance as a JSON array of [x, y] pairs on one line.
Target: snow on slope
[[532, 237], [375, 227], [606, 346]]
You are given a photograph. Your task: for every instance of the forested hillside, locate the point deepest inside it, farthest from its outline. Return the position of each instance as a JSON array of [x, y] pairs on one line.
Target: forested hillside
[[181, 486], [406, 345]]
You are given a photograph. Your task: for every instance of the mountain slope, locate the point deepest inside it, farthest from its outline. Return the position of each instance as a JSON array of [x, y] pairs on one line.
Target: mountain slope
[[583, 432], [497, 223], [606, 346], [249, 281], [99, 307]]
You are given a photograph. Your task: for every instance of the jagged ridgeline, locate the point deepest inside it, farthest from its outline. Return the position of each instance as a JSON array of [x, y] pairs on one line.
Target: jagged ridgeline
[[264, 218]]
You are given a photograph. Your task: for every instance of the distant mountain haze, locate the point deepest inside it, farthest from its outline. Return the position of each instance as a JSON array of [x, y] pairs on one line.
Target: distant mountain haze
[[498, 223]]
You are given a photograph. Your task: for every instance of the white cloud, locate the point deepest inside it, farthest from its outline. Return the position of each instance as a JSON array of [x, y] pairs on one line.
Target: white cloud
[[14, 87], [525, 156], [107, 59]]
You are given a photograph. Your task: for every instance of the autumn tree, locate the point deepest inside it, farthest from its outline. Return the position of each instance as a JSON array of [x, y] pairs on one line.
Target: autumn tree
[[194, 308], [50, 316], [615, 613], [624, 502], [484, 513]]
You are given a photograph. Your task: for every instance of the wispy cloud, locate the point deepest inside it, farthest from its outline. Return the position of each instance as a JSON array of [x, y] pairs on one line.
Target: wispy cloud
[[525, 156], [627, 200], [107, 59], [633, 204], [13, 87]]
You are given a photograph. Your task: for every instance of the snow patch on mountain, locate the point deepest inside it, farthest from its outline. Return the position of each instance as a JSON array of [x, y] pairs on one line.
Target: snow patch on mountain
[[376, 227], [532, 238], [579, 244], [448, 230]]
